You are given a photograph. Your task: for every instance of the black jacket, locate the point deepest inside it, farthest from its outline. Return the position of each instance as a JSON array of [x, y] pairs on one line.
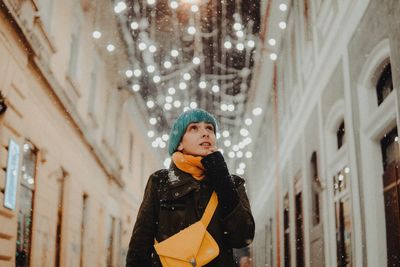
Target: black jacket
[[172, 201]]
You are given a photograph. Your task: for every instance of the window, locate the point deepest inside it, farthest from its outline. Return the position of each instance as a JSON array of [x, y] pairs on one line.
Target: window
[[110, 242], [343, 219], [299, 231], [286, 229], [316, 189], [60, 215], [391, 191], [83, 226], [385, 84], [25, 214], [340, 135]]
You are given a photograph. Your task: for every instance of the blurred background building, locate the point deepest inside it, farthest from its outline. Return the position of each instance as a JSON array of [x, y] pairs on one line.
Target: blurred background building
[[306, 92]]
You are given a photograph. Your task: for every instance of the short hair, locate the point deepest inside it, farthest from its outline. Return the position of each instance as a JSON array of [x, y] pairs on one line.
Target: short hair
[[181, 123]]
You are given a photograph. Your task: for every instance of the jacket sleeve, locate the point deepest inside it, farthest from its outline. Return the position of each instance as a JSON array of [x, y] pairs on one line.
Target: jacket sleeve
[[239, 225], [142, 239]]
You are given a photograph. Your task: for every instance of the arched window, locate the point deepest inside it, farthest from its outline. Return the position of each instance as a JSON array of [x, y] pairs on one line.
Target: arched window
[[340, 134], [385, 84]]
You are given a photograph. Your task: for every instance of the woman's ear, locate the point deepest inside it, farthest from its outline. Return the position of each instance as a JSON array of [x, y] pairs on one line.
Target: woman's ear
[[180, 147]]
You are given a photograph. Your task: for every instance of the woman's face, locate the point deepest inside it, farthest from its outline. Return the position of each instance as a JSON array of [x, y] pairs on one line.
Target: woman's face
[[198, 140]]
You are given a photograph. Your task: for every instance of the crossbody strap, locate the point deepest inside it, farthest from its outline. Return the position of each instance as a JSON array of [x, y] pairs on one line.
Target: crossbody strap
[[210, 209]]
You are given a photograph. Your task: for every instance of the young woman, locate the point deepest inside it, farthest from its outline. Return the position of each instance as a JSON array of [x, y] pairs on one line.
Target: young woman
[[176, 198]]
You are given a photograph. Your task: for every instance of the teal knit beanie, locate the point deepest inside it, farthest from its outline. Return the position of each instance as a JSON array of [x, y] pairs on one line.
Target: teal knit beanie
[[179, 127]]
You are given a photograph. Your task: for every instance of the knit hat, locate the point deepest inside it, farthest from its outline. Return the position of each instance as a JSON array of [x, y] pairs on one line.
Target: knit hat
[[179, 127]]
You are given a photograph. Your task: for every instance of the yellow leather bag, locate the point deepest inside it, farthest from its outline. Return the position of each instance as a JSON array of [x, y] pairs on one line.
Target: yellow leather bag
[[193, 246]]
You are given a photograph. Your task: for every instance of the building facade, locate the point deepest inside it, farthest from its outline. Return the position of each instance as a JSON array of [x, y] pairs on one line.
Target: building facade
[[73, 151], [325, 179]]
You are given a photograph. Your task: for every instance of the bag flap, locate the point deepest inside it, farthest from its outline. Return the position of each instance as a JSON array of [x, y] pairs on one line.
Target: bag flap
[[185, 243]]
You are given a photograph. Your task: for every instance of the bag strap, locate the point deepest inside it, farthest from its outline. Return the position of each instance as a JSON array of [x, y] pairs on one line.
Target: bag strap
[[210, 209]]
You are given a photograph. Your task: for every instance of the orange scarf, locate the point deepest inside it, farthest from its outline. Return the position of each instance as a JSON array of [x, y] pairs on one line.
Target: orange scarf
[[190, 164]]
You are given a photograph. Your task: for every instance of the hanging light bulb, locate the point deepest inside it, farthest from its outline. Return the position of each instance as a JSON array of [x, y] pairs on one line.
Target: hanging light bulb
[[191, 30], [215, 88], [251, 43], [142, 46], [202, 84], [110, 47], [171, 90], [121, 6], [194, 8], [182, 85], [152, 48], [167, 64], [135, 87], [239, 46], [196, 60], [96, 34], [150, 68], [128, 73], [137, 72], [134, 25], [174, 53], [237, 26], [174, 4], [227, 44]]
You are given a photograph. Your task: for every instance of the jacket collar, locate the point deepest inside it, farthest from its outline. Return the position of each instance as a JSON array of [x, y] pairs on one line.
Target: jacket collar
[[180, 183]]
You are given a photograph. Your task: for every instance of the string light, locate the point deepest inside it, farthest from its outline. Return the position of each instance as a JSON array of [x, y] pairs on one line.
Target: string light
[[182, 86], [152, 48], [251, 43], [237, 26], [283, 7], [194, 8], [202, 84], [134, 25], [129, 73], [239, 34], [150, 68], [171, 90], [174, 53], [110, 47], [196, 60], [142, 46], [191, 30], [215, 88], [272, 41], [178, 64], [96, 34], [248, 121], [173, 4], [121, 6], [239, 46], [137, 72], [150, 134], [156, 79], [228, 44], [257, 111], [136, 87], [167, 64]]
